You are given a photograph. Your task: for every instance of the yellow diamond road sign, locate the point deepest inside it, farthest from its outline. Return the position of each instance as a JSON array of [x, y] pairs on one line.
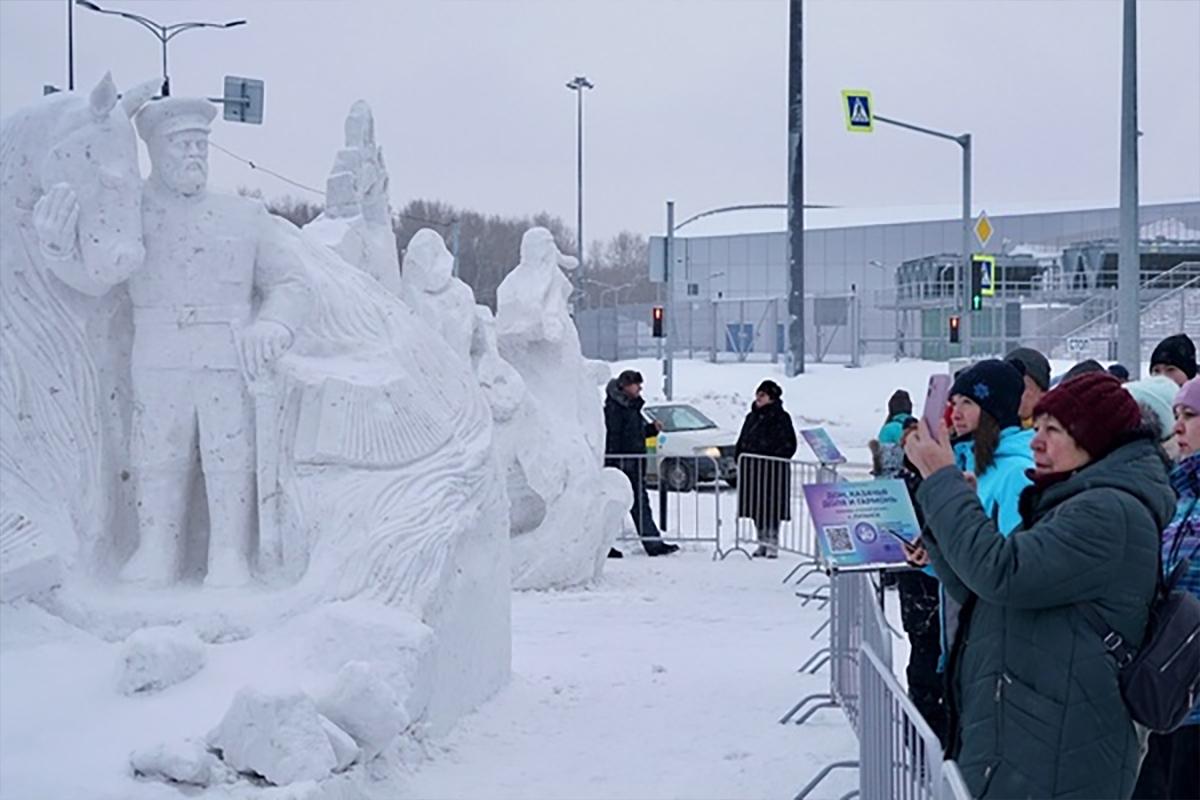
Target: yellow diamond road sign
[[983, 229]]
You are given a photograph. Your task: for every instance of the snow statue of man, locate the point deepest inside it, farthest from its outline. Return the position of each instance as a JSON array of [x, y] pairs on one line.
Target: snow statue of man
[[429, 287], [357, 222], [197, 343]]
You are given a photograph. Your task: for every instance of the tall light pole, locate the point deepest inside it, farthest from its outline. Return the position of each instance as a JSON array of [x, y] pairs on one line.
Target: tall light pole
[[1129, 335], [577, 85], [70, 46], [164, 33]]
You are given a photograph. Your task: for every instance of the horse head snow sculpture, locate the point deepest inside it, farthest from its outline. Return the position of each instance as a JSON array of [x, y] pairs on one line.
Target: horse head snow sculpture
[[70, 158]]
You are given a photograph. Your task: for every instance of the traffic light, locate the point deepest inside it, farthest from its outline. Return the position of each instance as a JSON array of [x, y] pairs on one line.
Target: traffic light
[[656, 315], [955, 328], [983, 280]]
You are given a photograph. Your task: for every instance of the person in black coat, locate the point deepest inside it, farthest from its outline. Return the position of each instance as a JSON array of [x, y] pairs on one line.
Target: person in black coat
[[625, 435], [764, 486]]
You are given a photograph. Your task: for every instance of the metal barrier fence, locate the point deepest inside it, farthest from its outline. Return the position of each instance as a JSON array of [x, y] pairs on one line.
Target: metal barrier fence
[[691, 515], [899, 755], [772, 512]]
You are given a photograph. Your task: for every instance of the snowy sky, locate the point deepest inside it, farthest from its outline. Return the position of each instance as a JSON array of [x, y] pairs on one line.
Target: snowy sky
[[689, 103]]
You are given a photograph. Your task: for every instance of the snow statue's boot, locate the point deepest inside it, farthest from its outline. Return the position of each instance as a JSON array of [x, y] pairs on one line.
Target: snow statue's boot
[[162, 524], [232, 512]]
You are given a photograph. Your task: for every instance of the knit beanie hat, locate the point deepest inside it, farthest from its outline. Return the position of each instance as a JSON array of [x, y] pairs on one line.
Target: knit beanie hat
[[1188, 395], [1119, 372], [771, 389], [1083, 368], [1176, 351], [899, 403], [1094, 408], [996, 387], [1157, 394], [1034, 365]]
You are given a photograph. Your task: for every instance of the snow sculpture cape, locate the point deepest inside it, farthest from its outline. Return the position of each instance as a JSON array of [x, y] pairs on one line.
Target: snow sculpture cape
[[566, 507], [376, 479]]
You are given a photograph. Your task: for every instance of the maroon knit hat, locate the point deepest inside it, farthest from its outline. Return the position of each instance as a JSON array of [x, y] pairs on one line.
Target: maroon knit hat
[[1094, 408]]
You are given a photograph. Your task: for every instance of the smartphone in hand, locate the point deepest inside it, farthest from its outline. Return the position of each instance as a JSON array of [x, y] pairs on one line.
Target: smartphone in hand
[[936, 397]]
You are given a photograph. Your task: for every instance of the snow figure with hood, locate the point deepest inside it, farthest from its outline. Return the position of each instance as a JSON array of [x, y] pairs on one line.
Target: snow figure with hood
[[294, 435], [560, 526], [561, 536], [357, 221]]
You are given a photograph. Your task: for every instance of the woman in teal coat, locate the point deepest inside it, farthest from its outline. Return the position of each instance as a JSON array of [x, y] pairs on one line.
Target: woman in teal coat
[[1039, 708]]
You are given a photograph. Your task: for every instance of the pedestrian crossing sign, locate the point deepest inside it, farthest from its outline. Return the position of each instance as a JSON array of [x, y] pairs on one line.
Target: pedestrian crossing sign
[[860, 118]]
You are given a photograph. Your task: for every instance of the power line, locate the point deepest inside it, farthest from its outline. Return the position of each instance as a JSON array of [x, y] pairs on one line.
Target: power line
[[261, 168], [298, 185]]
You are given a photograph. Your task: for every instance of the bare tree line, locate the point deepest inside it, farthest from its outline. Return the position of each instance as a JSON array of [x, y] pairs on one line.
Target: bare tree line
[[489, 246]]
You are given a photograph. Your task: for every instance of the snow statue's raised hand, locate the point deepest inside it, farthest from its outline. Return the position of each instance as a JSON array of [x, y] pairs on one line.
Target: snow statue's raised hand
[[56, 220]]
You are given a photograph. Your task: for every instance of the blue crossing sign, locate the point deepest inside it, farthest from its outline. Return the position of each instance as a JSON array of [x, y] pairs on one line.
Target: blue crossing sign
[[860, 116]]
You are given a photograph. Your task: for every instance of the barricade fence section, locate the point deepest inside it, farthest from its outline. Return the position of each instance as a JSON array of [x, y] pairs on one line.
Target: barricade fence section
[[899, 756], [676, 499], [772, 515]]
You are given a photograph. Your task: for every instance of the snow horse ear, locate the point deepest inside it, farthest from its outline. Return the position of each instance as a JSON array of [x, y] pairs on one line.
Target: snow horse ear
[[137, 96], [103, 98]]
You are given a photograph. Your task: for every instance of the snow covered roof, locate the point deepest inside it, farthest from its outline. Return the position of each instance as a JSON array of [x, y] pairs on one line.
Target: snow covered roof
[[775, 221]]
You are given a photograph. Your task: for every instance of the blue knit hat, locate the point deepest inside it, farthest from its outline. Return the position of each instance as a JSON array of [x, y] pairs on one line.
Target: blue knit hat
[[996, 387]]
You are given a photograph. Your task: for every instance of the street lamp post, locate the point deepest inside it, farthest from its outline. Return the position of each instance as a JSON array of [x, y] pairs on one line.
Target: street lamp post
[[164, 33], [577, 85]]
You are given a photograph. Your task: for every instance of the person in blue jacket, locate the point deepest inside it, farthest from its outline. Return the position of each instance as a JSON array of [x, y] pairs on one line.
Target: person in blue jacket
[[994, 452], [900, 409]]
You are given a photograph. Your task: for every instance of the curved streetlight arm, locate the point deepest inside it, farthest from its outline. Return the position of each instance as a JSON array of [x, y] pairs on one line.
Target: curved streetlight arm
[[180, 27], [746, 207], [152, 26]]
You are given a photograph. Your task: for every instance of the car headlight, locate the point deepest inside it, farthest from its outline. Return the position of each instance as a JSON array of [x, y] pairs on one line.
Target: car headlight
[[711, 452]]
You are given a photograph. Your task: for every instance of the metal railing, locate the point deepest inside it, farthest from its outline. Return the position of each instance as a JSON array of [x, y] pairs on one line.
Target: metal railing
[[1181, 277], [899, 754], [771, 509], [691, 516]]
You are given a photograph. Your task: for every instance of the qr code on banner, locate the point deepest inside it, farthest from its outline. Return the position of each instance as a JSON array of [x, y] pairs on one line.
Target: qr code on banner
[[839, 539]]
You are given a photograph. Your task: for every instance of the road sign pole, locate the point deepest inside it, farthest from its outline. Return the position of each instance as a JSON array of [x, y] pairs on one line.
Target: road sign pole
[[669, 306], [965, 297]]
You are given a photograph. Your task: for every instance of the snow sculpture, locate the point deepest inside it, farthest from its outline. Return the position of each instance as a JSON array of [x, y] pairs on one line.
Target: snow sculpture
[[565, 507], [357, 222], [58, 499], [429, 287], [288, 427]]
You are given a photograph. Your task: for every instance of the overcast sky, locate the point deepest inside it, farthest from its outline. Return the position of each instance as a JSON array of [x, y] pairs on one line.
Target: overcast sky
[[690, 97]]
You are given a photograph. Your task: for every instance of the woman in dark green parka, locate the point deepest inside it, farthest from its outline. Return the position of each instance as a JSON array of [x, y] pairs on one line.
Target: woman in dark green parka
[[1036, 710]]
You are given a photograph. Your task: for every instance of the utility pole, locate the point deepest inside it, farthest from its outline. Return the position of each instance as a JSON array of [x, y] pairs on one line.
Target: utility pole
[[795, 236], [1129, 336]]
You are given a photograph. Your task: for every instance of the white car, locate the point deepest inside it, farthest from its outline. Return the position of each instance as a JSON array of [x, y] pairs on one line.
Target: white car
[[692, 450]]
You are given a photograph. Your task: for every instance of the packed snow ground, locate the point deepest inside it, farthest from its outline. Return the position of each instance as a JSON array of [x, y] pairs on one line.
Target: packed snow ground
[[664, 679]]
